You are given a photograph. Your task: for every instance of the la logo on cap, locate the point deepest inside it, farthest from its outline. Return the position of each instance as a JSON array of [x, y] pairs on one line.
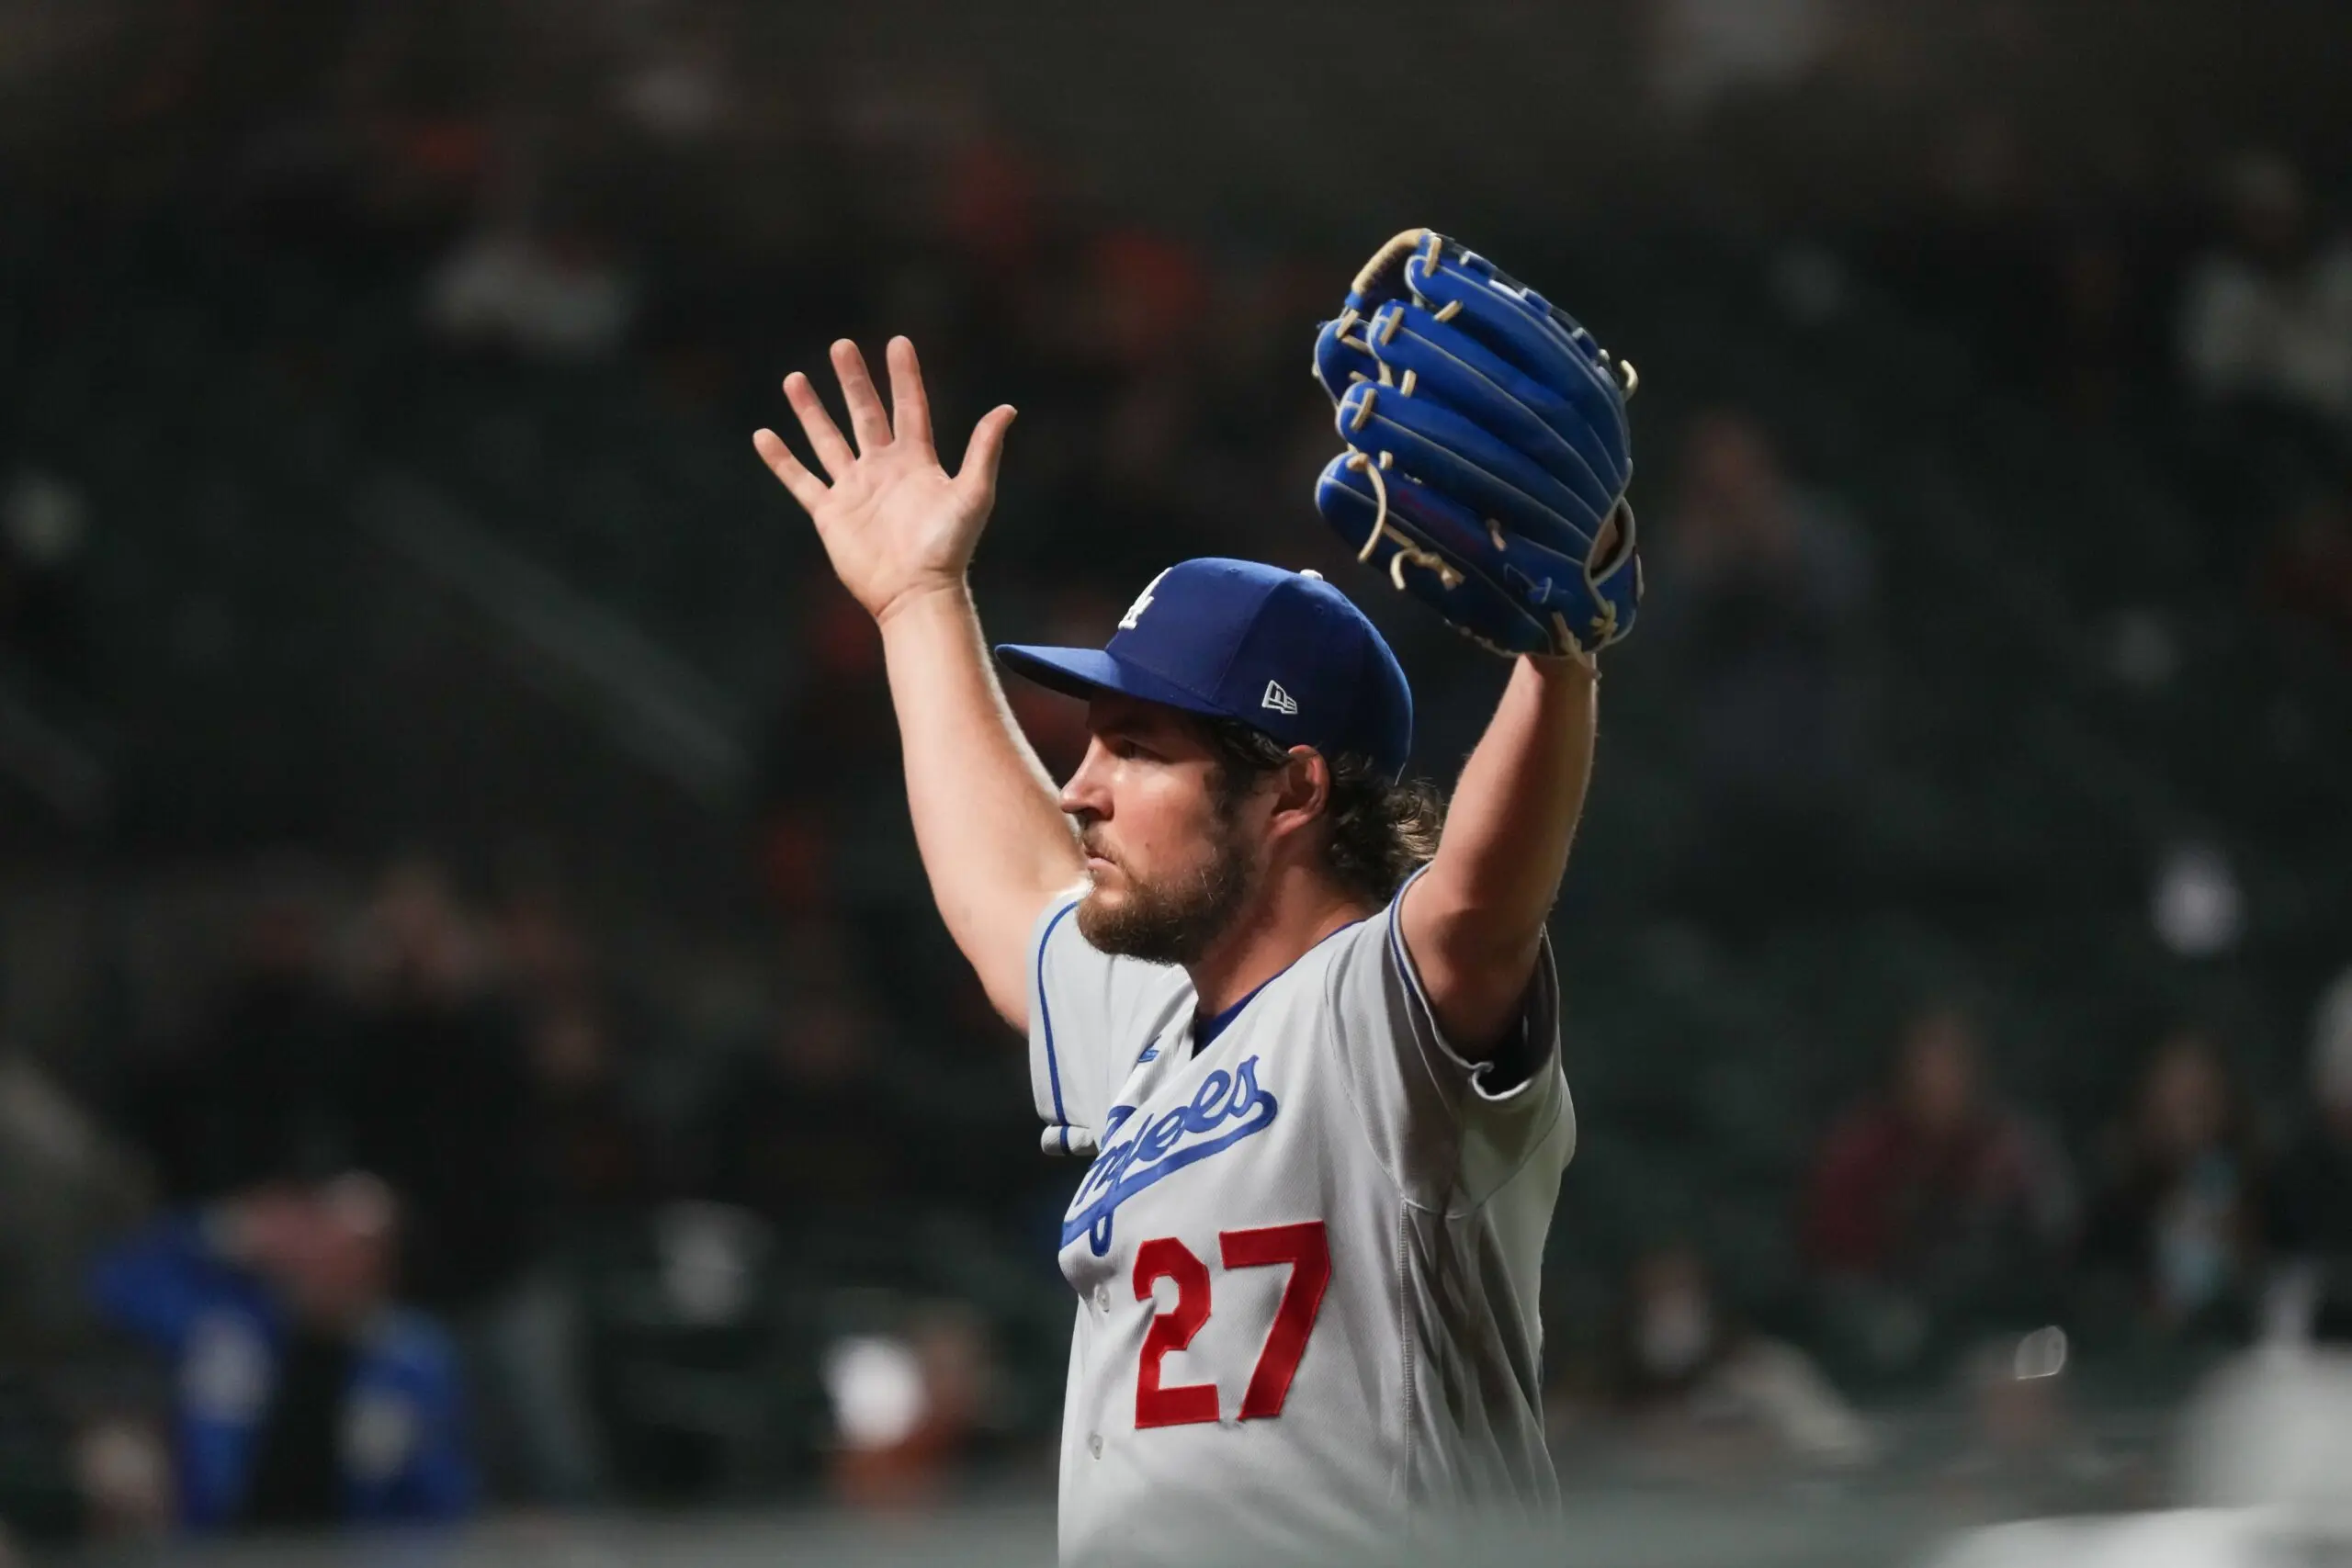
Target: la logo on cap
[[1143, 601]]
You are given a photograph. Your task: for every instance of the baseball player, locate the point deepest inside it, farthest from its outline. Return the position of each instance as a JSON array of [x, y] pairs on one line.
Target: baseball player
[[1308, 1041]]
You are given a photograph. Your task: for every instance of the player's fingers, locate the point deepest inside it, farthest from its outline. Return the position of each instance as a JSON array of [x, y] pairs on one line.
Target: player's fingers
[[816, 422], [867, 418], [806, 487], [910, 405], [986, 447]]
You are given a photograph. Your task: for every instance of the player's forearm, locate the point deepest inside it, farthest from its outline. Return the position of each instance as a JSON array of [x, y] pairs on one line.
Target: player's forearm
[[1476, 919], [1514, 812], [986, 818]]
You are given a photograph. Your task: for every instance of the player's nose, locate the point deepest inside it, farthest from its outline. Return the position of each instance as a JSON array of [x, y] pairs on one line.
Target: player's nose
[[1087, 796]]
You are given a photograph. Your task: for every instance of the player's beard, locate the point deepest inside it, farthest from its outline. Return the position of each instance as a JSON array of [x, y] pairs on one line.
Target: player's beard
[[1175, 919]]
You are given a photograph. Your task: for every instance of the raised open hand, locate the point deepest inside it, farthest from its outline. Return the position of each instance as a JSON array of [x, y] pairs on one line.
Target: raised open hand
[[894, 522]]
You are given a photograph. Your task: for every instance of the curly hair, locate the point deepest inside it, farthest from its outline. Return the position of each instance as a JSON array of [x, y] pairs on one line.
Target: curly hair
[[1381, 829]]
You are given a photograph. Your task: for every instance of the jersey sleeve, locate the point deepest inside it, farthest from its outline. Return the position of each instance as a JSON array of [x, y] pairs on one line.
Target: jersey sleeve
[[1448, 1128], [1090, 1016]]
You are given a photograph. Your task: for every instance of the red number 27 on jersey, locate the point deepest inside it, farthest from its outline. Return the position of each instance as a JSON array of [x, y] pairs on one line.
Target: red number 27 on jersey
[[1301, 1245]]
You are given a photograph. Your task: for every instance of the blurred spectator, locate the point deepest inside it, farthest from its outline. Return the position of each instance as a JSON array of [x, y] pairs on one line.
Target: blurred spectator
[[687, 1352], [442, 1105], [1935, 1207], [560, 298], [906, 1410], [306, 1398], [2267, 318], [592, 1155], [441, 1090], [806, 1134], [262, 1093], [1692, 1375], [1767, 592], [2175, 1230], [590, 1173], [2311, 1202]]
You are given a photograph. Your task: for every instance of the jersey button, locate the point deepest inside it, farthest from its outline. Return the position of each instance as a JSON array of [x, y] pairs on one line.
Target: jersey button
[[1094, 1444], [1101, 1298]]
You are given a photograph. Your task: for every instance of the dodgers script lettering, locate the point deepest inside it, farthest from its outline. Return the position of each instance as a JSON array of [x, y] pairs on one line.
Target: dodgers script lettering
[[1227, 1108]]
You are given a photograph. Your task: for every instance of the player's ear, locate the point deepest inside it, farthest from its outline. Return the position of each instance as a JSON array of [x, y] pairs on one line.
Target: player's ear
[[1302, 789]]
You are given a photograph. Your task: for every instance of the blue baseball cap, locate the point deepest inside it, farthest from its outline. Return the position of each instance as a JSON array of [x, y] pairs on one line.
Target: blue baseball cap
[[1284, 652]]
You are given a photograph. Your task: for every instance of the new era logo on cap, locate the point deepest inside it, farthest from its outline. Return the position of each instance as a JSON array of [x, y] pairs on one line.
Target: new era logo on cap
[[1284, 652]]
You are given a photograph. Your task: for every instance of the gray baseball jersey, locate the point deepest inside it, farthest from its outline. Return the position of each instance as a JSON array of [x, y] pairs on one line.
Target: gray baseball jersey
[[1306, 1254]]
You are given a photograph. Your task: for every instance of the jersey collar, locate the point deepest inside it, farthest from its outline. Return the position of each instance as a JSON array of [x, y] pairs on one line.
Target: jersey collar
[[1206, 1030]]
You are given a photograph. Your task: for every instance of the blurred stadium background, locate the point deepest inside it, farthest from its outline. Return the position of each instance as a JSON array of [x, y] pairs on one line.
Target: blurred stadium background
[[431, 746]]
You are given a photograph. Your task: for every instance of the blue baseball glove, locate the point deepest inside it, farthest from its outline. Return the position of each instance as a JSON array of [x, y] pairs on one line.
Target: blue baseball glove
[[1487, 450]]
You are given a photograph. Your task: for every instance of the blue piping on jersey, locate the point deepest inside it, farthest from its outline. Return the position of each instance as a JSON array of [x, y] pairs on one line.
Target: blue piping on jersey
[[1205, 1030], [1397, 950], [1045, 1018], [1505, 1072]]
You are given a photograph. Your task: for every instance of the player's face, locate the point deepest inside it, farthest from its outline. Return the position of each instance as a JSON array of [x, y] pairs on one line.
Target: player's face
[[1169, 868]]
